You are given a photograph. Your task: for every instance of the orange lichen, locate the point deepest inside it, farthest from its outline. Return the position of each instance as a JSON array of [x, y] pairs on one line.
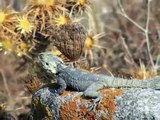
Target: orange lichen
[[108, 101], [69, 111], [65, 93], [72, 110], [90, 116]]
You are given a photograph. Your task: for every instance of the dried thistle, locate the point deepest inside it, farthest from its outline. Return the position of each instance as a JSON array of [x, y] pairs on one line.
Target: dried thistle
[[90, 43], [42, 11], [144, 73], [69, 39], [6, 45], [77, 6], [7, 22], [61, 19], [24, 25]]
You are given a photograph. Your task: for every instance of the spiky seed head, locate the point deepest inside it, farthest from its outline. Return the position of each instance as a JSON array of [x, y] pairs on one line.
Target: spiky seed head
[[69, 39], [62, 20]]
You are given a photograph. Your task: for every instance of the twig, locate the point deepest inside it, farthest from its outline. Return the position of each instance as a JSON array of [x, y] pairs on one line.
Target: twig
[[124, 14], [146, 34], [127, 50], [145, 30], [5, 83]]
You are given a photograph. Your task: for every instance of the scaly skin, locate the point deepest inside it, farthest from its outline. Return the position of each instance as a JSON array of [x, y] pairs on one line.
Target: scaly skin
[[87, 82]]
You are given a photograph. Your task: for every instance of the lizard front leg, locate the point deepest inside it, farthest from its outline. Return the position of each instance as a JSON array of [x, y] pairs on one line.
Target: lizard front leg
[[62, 85], [92, 91]]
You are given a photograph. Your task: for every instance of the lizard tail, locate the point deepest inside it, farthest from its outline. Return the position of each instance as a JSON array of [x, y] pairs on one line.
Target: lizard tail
[[125, 83]]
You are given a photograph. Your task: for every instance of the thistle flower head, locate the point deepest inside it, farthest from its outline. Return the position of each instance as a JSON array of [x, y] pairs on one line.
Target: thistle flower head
[[46, 3], [7, 15], [81, 2], [24, 25], [6, 45], [2, 17], [89, 42], [22, 49], [62, 20]]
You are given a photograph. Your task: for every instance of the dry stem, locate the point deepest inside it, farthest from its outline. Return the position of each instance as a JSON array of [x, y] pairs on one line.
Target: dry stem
[[144, 30]]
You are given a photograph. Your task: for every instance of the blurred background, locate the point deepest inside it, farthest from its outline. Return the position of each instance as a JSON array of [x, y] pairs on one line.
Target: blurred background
[[123, 40]]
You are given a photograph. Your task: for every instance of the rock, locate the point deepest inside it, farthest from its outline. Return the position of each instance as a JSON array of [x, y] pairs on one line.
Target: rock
[[138, 104], [117, 104]]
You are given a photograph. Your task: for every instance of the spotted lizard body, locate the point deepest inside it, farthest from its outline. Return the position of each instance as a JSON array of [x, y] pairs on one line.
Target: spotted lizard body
[[89, 83]]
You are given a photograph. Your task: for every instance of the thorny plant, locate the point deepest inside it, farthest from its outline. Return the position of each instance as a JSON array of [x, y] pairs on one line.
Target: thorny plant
[[27, 33]]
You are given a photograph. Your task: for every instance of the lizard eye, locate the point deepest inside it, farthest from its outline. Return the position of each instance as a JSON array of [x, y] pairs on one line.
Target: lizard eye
[[47, 64]]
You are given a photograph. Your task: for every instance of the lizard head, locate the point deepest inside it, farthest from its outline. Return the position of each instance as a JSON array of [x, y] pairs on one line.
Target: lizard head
[[49, 62]]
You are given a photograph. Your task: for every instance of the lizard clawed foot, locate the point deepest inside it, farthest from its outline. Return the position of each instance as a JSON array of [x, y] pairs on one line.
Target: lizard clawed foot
[[95, 102]]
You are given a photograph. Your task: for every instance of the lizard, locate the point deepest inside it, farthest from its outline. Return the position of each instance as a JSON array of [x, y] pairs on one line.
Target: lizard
[[86, 82]]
